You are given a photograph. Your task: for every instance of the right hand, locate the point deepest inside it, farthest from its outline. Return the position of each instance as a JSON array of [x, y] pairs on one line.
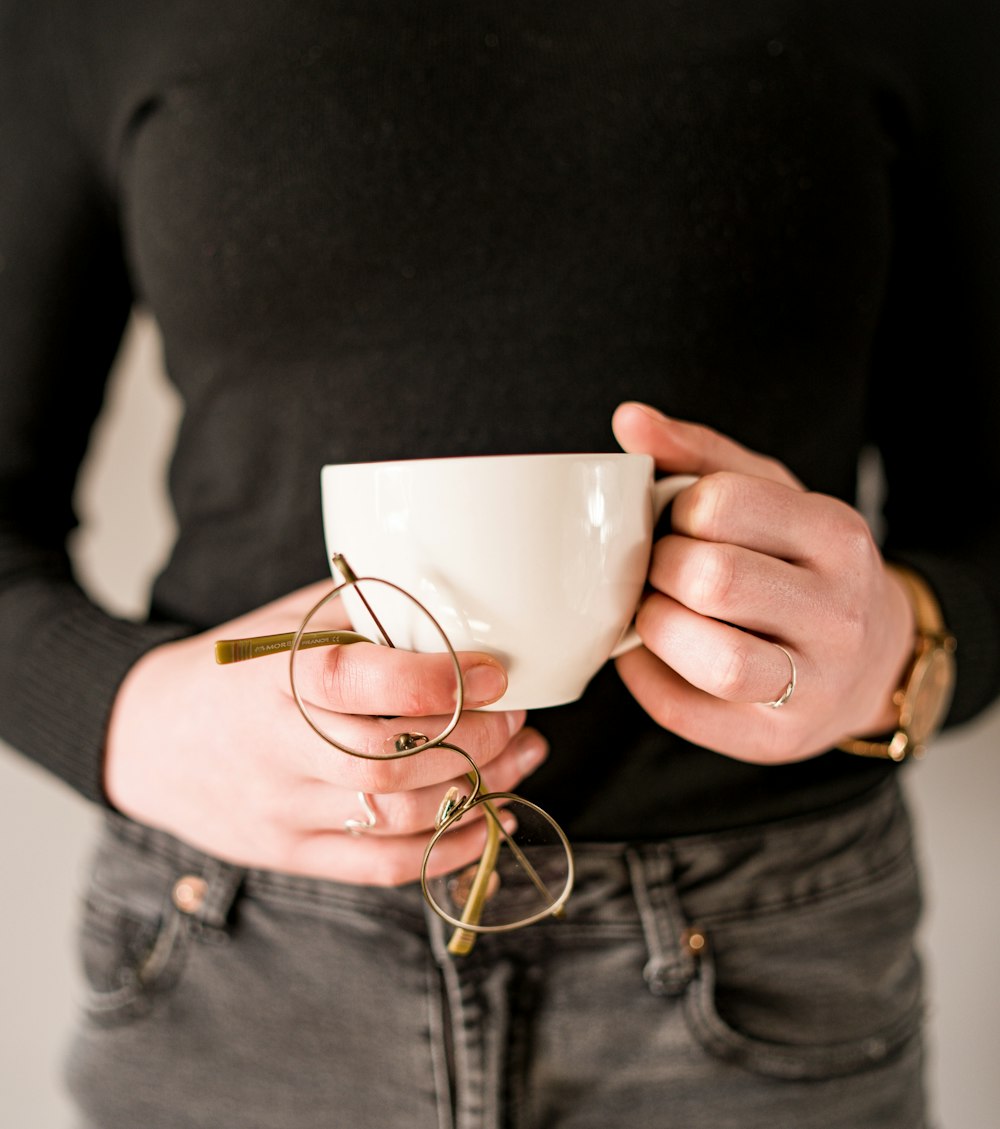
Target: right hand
[[221, 757]]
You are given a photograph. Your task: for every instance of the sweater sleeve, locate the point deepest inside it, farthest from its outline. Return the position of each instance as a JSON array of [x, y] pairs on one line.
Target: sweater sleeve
[[935, 406], [64, 301]]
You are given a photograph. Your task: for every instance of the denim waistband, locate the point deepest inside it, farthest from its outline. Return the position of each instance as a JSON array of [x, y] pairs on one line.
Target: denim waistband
[[750, 870], [832, 890]]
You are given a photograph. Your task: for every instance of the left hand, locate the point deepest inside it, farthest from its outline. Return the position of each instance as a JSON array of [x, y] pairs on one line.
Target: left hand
[[755, 559]]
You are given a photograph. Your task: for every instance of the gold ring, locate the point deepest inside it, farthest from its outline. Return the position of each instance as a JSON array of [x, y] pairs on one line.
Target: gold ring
[[790, 688], [360, 826]]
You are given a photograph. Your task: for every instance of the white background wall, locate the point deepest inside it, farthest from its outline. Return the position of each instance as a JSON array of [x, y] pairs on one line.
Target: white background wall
[[46, 830]]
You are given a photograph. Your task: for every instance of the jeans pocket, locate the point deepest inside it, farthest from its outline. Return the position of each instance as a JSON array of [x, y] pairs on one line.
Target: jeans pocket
[[825, 987], [132, 939]]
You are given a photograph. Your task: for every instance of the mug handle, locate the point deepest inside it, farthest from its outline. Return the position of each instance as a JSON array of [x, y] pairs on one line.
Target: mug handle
[[664, 492]]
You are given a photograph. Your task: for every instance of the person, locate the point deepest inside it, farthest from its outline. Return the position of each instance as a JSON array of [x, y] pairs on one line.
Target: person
[[760, 244]]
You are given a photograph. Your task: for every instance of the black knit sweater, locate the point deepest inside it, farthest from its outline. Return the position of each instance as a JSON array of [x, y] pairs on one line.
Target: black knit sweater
[[374, 230]]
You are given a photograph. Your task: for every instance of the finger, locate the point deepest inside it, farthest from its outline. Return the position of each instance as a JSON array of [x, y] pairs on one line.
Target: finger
[[745, 731], [767, 516], [317, 805], [375, 766], [677, 445], [723, 661], [757, 592], [389, 861], [365, 678]]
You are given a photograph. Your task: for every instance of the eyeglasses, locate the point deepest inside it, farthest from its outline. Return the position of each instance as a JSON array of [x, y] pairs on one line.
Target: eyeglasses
[[524, 871]]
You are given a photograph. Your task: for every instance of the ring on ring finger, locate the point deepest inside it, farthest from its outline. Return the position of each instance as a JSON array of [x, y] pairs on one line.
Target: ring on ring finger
[[784, 697], [360, 826]]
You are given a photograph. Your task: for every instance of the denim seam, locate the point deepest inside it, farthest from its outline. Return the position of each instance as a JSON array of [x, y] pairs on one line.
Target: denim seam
[[815, 900], [791, 1061], [156, 974], [881, 795], [440, 1069], [329, 906]]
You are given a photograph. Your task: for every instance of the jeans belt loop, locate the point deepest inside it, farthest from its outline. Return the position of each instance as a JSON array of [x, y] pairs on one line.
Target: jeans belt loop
[[206, 899], [671, 965]]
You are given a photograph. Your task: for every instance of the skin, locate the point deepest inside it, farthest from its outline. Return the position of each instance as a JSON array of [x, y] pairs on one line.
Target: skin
[[220, 756], [754, 559]]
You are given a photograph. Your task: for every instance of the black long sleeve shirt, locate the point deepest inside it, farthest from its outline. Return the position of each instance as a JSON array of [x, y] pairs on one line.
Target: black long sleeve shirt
[[369, 230]]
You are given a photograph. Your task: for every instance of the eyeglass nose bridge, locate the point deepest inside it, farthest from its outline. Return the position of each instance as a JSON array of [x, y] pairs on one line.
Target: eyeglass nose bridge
[[450, 806], [454, 805]]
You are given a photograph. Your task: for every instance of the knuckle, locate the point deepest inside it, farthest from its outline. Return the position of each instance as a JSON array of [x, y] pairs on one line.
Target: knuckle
[[732, 673], [849, 530], [714, 577], [406, 815], [701, 509], [378, 776], [342, 679], [707, 502]]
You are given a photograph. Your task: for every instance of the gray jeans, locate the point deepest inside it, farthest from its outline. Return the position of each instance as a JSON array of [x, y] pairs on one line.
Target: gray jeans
[[279, 1002]]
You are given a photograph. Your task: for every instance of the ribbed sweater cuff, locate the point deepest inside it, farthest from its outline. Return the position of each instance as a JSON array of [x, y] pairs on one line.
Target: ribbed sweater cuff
[[68, 678]]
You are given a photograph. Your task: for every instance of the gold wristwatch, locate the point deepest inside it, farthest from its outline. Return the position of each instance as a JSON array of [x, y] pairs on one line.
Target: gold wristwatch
[[925, 694]]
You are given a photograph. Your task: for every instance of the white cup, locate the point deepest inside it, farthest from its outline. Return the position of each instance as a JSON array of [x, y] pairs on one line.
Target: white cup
[[539, 560]]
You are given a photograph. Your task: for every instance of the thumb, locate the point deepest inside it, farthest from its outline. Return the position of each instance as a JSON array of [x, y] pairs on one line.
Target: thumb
[[690, 448]]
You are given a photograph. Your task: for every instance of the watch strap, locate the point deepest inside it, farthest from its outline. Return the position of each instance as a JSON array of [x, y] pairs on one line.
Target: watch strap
[[930, 633]]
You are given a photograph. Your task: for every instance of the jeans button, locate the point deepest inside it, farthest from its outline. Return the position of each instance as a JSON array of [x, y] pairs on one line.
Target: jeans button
[[189, 893]]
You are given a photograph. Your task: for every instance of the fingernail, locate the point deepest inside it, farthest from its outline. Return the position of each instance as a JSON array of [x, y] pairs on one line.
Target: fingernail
[[484, 683], [532, 752], [653, 413], [515, 721], [508, 821]]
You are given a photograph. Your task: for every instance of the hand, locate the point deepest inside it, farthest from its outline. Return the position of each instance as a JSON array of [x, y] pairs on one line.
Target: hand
[[754, 559], [221, 757]]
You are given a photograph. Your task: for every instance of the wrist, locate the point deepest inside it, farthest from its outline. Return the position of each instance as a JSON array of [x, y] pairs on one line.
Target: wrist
[[917, 708]]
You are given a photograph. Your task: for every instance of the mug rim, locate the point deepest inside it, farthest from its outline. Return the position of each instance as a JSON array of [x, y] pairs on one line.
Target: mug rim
[[524, 456]]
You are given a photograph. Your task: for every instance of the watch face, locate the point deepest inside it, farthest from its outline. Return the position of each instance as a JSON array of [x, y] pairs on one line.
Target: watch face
[[928, 695]]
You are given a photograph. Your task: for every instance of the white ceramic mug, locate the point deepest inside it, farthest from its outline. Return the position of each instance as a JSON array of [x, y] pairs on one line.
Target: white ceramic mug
[[539, 560]]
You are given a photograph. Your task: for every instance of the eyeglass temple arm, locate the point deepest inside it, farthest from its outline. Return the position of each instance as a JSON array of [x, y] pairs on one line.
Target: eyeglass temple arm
[[462, 940], [258, 646]]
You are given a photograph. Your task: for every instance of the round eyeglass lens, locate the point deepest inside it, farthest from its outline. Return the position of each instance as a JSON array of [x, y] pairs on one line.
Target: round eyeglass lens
[[524, 872], [390, 617]]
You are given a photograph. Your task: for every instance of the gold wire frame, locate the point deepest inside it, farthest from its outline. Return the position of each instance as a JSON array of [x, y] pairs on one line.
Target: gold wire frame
[[478, 893], [453, 807]]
